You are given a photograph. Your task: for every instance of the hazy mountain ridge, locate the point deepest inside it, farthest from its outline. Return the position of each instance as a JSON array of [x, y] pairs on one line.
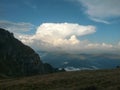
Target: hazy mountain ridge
[[81, 61], [17, 59]]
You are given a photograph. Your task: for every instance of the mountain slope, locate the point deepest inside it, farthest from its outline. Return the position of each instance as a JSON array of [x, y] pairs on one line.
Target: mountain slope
[[17, 59]]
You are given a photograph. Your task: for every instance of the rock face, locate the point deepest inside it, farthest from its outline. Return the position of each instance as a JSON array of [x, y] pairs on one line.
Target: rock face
[[17, 59]]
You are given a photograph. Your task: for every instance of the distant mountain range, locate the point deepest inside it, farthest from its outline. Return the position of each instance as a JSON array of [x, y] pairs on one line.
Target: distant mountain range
[[75, 62], [17, 59]]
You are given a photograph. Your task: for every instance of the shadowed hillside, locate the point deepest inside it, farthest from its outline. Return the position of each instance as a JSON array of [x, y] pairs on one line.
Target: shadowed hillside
[[17, 59], [81, 80]]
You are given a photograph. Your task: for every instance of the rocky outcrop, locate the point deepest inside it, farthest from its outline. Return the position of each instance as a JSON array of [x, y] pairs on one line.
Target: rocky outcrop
[[17, 59]]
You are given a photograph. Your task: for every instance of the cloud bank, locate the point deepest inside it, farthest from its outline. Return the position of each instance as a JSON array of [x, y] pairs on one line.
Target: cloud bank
[[63, 37], [100, 11], [16, 27]]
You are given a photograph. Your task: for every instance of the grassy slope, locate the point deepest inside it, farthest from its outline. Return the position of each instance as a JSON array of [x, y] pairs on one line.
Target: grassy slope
[[82, 80]]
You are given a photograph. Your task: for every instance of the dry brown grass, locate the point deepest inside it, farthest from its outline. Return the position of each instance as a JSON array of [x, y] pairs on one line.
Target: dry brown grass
[[80, 80]]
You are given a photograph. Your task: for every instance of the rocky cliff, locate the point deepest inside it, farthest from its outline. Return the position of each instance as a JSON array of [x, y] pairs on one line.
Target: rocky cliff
[[17, 59]]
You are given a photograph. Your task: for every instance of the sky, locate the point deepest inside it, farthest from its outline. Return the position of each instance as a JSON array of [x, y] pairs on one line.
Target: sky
[[71, 26]]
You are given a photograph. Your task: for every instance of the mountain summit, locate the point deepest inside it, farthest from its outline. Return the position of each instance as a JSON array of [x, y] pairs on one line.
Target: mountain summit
[[17, 59]]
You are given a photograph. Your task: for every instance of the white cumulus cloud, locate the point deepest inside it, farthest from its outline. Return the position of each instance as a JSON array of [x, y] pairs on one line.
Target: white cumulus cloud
[[63, 37], [63, 30], [57, 35]]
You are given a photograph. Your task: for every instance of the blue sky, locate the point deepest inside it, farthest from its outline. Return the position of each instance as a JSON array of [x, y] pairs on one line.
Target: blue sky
[[24, 17]]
